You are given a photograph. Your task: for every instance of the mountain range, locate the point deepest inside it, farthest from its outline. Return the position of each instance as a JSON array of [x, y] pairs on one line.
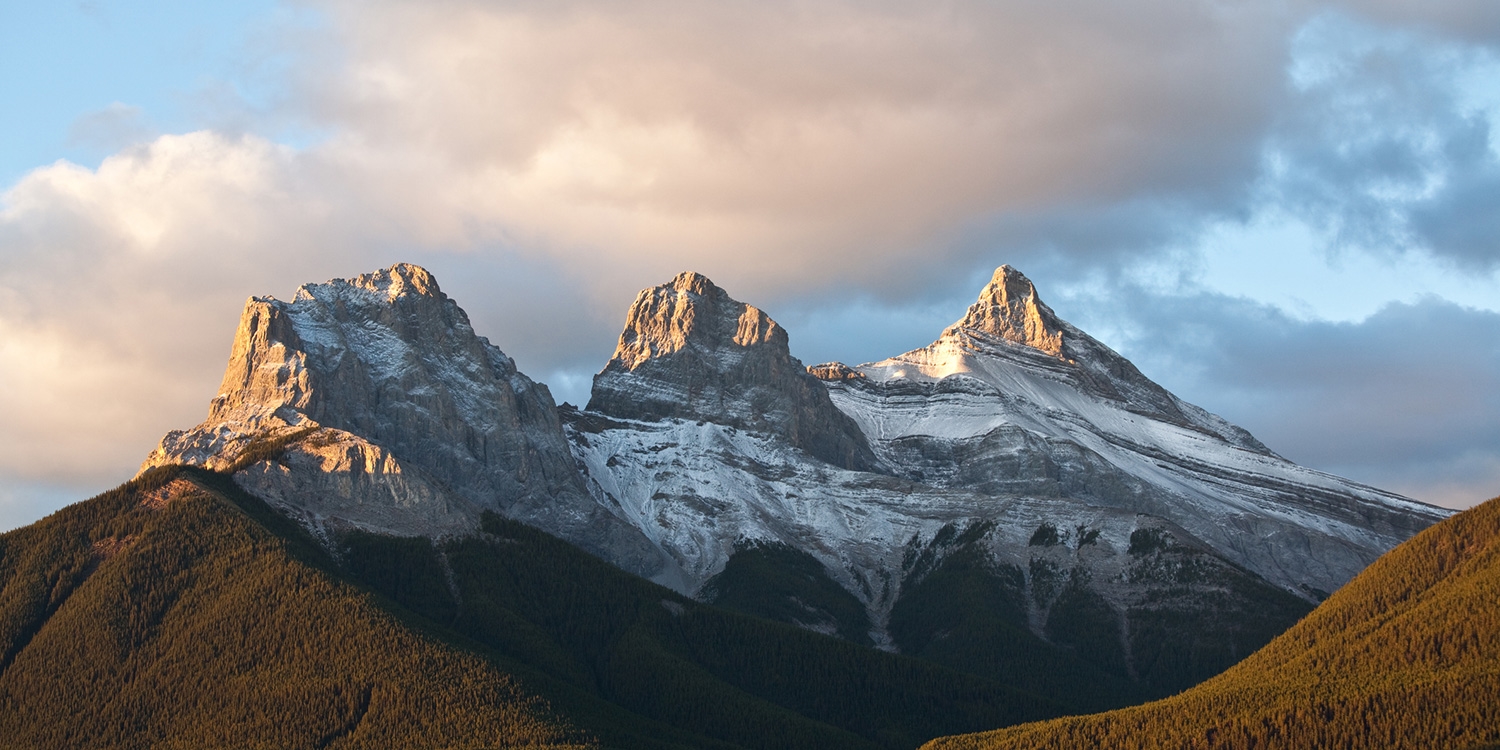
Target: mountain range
[[1034, 526], [1107, 518]]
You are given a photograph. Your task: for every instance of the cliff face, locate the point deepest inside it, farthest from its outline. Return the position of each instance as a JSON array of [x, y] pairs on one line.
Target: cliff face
[[1009, 308], [689, 351], [405, 420]]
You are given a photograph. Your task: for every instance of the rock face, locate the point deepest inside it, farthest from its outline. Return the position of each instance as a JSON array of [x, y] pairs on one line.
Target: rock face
[[689, 351], [399, 417]]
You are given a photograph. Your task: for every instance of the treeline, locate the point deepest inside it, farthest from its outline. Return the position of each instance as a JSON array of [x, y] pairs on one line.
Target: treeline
[[1407, 655]]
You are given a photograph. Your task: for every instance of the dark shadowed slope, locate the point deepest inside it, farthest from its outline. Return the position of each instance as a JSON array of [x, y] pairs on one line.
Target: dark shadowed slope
[[1407, 655]]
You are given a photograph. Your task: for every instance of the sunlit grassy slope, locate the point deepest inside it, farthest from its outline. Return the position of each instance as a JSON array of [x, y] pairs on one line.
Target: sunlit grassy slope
[[1406, 655], [176, 611]]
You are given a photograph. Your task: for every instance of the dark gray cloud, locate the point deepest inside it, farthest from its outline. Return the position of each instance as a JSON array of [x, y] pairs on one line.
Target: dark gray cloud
[[1462, 220]]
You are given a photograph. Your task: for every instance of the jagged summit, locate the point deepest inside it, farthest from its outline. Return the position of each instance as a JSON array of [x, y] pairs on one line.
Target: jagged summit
[[1009, 308], [690, 311], [282, 350], [393, 282], [690, 351], [1009, 327]]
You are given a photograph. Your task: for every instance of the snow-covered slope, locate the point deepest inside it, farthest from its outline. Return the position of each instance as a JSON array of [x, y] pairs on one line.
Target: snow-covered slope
[[1013, 399], [700, 490]]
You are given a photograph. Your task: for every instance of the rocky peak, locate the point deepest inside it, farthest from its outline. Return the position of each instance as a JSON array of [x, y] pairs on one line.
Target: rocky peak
[[690, 351], [690, 311], [1009, 308], [1010, 333], [342, 347], [388, 382]]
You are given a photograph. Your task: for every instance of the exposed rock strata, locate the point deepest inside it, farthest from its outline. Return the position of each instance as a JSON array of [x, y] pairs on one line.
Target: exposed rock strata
[[690, 351]]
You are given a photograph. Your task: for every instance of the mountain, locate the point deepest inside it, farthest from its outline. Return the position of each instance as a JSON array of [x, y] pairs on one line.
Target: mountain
[[1406, 655], [180, 611], [1016, 501], [1013, 400], [400, 420]]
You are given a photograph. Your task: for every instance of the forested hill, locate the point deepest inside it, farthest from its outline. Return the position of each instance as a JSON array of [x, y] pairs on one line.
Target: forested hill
[[160, 615], [1407, 655], [177, 611]]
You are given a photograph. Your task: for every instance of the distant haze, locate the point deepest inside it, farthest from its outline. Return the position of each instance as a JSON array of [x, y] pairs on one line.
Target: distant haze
[[1283, 212]]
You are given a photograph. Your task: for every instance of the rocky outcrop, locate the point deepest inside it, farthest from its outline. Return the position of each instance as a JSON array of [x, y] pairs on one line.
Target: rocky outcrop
[[404, 419], [836, 371], [690, 351]]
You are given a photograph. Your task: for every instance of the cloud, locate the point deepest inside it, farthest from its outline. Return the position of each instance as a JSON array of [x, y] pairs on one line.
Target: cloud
[[115, 127], [1380, 145], [112, 284], [778, 141]]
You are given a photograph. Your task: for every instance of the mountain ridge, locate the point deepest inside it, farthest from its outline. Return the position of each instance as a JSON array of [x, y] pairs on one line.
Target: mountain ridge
[[957, 412]]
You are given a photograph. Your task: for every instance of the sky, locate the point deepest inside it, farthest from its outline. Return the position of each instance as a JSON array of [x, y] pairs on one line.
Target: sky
[[1287, 213]]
